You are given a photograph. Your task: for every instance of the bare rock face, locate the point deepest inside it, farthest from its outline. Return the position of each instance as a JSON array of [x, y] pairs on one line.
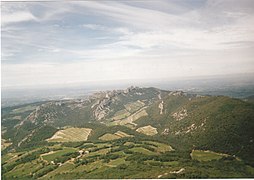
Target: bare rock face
[[161, 107], [102, 107]]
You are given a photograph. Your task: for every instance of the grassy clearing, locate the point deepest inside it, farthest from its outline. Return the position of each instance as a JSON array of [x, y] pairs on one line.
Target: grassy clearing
[[52, 156], [116, 162], [131, 126], [129, 120], [142, 150], [129, 143], [71, 134], [89, 167], [23, 109], [109, 137], [66, 167], [24, 169], [147, 130], [134, 106], [206, 155], [170, 163], [17, 117], [121, 114], [99, 152], [122, 134]]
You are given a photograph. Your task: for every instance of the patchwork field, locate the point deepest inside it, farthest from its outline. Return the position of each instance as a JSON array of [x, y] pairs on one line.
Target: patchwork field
[[71, 134], [125, 158]]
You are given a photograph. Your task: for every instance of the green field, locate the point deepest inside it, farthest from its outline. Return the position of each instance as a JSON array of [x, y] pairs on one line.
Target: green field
[[64, 168], [25, 169], [51, 156], [116, 162], [206, 155], [142, 150]]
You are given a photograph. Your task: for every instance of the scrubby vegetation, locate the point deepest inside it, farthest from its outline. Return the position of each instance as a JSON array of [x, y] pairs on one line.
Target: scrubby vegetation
[[190, 137]]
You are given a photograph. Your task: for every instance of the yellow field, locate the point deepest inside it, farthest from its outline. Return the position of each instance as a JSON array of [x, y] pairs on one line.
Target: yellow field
[[142, 112], [117, 135], [147, 130], [109, 137], [71, 134], [121, 114]]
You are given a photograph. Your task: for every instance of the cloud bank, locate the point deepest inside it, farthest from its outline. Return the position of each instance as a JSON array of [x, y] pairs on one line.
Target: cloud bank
[[57, 43]]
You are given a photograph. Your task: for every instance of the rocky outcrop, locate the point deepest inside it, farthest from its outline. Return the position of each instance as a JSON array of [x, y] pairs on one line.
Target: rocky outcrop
[[177, 93], [180, 114], [102, 108], [161, 107]]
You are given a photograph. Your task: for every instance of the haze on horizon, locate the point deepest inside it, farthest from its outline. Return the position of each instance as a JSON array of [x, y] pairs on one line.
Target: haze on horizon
[[50, 43]]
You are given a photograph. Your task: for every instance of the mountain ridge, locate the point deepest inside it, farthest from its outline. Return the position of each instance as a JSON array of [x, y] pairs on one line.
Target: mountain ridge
[[185, 121]]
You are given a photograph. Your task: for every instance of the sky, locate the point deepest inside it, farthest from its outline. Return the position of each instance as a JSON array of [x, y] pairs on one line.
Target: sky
[[65, 42]]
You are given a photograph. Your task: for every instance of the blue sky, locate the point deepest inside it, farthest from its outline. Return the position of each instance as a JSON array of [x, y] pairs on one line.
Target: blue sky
[[48, 43]]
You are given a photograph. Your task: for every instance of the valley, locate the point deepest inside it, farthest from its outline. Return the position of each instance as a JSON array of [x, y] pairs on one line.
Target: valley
[[131, 133]]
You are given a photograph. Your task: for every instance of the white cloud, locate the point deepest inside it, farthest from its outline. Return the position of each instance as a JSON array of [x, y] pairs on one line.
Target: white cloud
[[92, 41], [17, 17]]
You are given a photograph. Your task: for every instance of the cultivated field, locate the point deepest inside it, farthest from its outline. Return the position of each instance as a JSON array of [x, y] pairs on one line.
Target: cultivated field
[[147, 130], [116, 135], [140, 113], [71, 134], [109, 137]]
